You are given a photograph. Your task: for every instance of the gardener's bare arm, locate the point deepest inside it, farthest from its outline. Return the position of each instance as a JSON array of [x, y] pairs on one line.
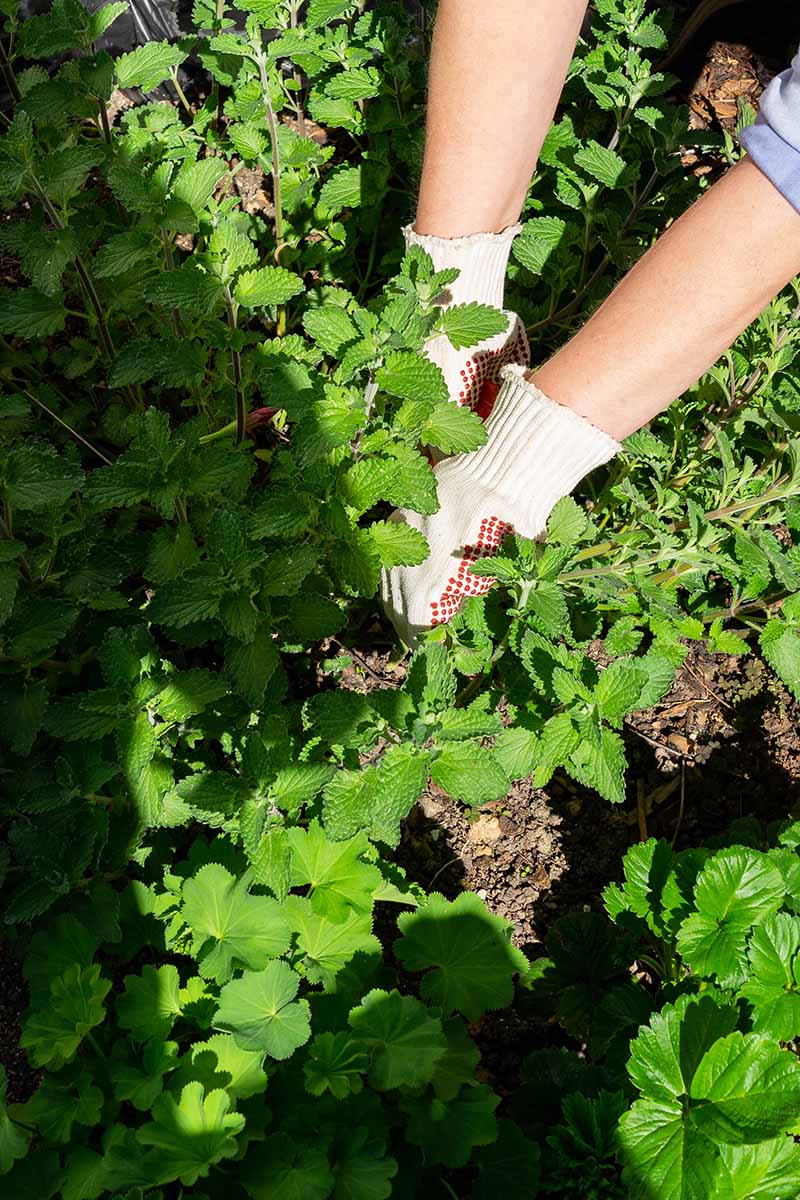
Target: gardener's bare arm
[[681, 306], [670, 318], [496, 73]]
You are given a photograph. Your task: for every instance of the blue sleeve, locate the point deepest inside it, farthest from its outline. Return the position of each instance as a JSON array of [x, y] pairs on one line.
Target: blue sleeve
[[773, 142]]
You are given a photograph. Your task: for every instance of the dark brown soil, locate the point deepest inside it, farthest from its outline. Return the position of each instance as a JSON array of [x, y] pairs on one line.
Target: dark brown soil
[[723, 744]]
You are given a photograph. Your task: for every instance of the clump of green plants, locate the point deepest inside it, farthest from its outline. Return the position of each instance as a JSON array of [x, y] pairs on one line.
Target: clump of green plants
[[208, 411], [686, 1005]]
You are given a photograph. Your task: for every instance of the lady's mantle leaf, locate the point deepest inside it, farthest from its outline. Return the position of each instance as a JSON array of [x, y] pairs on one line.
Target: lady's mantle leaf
[[261, 1012], [404, 1041], [230, 926], [189, 1137], [75, 1006], [338, 880], [281, 1168], [470, 950], [335, 1063]]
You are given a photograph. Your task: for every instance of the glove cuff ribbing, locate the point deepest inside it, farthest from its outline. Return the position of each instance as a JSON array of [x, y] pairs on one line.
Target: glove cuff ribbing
[[482, 259], [537, 451]]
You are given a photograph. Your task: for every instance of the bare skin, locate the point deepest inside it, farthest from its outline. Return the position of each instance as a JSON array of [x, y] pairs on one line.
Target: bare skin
[[495, 76], [680, 307]]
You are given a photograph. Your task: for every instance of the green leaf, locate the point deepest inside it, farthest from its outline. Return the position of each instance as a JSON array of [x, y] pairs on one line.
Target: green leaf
[[322, 12], [75, 1007], [250, 666], [448, 1132], [665, 1158], [537, 241], [601, 766], [335, 1064], [13, 1140], [364, 1170], [467, 324], [261, 1011], [404, 1042], [141, 1084], [239, 1071], [147, 65], [453, 429], [267, 285], [766, 1171], [412, 377], [745, 1089], [29, 313], [330, 326], [151, 1002], [399, 544], [780, 646], [774, 976], [230, 927], [469, 772], [188, 1137], [284, 1168], [735, 889], [328, 946], [188, 693], [566, 523], [342, 189], [618, 690], [604, 165], [667, 1052], [470, 950], [338, 881]]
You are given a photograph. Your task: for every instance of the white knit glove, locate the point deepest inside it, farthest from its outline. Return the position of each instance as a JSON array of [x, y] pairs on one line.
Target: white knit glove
[[537, 451], [482, 259]]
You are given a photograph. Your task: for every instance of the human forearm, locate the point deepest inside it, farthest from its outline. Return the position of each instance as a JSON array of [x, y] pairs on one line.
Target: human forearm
[[681, 306], [496, 73]]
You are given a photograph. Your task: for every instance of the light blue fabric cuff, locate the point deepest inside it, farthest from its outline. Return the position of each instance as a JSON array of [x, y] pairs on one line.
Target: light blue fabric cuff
[[779, 160]]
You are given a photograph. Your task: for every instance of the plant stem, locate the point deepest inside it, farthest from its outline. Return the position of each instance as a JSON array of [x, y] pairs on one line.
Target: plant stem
[[69, 428], [276, 177], [83, 275], [104, 125], [179, 90], [8, 73], [236, 366], [600, 270]]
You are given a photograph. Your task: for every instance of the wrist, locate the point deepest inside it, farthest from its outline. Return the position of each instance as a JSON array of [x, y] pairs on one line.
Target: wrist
[[481, 259]]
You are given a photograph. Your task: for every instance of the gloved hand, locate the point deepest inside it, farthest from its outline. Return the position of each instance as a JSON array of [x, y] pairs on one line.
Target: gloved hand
[[481, 259], [537, 451]]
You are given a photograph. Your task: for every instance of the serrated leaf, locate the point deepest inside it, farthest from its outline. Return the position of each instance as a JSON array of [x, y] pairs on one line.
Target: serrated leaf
[[337, 879], [469, 950], [189, 1136], [602, 164], [52, 1036], [230, 927], [469, 772], [403, 1040], [412, 377], [453, 429], [328, 946], [265, 286], [468, 324], [398, 544], [147, 65], [261, 1012], [29, 313]]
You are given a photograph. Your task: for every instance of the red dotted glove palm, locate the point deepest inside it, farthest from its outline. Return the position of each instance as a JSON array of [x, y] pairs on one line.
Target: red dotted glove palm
[[536, 452]]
